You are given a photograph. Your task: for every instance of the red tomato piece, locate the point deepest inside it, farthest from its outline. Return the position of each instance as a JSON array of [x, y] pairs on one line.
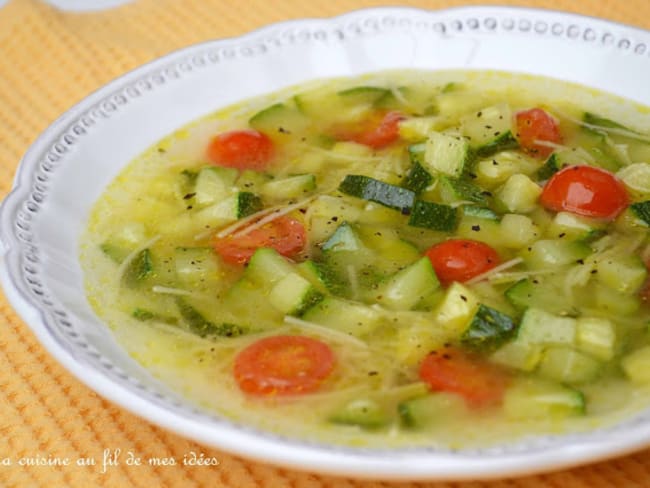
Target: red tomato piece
[[381, 131], [284, 234], [452, 370], [585, 190], [536, 125], [241, 149], [283, 365], [461, 259]]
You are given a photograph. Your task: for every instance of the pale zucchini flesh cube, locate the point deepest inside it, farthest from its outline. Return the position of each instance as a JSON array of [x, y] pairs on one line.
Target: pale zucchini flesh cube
[[407, 287], [566, 365], [535, 398], [456, 309], [596, 336], [345, 316], [517, 231], [540, 327], [636, 365], [519, 194], [446, 154]]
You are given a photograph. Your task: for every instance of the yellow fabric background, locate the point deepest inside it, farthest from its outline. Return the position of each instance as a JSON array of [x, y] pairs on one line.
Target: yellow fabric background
[[48, 61]]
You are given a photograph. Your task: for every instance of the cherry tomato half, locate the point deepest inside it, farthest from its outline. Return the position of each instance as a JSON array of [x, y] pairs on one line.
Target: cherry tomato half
[[284, 234], [585, 190], [452, 370], [379, 131], [241, 149], [536, 125], [461, 259], [283, 365]]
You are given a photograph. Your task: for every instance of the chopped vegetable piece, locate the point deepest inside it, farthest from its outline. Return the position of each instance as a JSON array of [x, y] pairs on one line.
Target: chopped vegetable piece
[[284, 234], [461, 259], [283, 365], [452, 370], [377, 191], [534, 127], [488, 329], [435, 216], [585, 190], [381, 134], [241, 149]]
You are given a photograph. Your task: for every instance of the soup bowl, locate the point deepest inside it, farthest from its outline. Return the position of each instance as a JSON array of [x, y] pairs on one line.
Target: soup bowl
[[71, 163]]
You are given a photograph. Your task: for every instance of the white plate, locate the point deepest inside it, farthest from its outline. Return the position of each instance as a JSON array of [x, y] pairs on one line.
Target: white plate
[[71, 162]]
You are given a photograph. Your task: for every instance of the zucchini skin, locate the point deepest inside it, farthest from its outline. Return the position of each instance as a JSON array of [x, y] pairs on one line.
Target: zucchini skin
[[434, 216], [373, 190], [488, 329]]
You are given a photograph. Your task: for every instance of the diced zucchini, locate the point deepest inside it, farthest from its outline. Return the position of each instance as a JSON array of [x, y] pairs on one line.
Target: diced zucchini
[[138, 269], [480, 229], [446, 154], [636, 178], [293, 295], [517, 231], [642, 210], [480, 126], [434, 216], [362, 412], [547, 253], [229, 210], [533, 398], [124, 241], [345, 238], [636, 365], [290, 187], [566, 365], [551, 166], [493, 171], [213, 184], [488, 329], [567, 225], [418, 128], [200, 325], [267, 267], [541, 293], [623, 273], [519, 194], [418, 178], [363, 94], [326, 213], [594, 119], [420, 412], [457, 308], [415, 340], [614, 302], [280, 119], [377, 191], [454, 190], [479, 212], [246, 303], [596, 336], [195, 265], [409, 286], [343, 315], [313, 272], [518, 354], [540, 327]]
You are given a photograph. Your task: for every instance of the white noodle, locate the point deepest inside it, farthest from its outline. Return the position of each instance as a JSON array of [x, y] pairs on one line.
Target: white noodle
[[133, 254], [495, 270], [170, 291], [325, 331]]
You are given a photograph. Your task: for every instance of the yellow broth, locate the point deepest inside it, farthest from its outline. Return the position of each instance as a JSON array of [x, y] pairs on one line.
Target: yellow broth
[[153, 205]]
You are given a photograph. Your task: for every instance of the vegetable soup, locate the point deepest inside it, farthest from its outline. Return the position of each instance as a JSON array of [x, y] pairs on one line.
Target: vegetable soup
[[448, 258]]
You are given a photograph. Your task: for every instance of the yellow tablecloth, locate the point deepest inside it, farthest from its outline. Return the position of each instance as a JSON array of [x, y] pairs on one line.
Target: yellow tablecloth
[[48, 61]]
